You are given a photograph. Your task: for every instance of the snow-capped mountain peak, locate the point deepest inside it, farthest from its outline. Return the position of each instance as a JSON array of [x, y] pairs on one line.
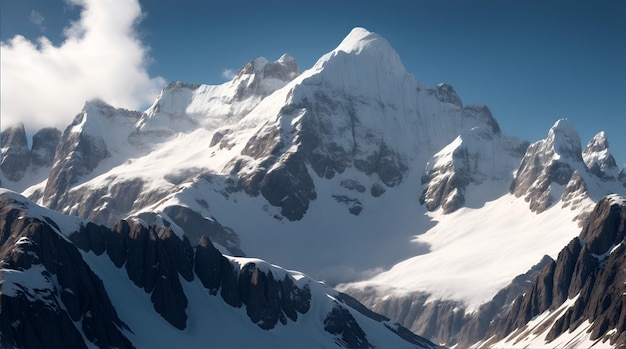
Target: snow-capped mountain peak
[[564, 140], [362, 57], [554, 169], [183, 107], [262, 77], [360, 39], [598, 157]]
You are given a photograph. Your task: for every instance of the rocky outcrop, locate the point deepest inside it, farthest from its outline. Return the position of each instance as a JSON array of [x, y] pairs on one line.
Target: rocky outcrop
[[471, 158], [195, 227], [15, 153], [621, 177], [588, 270], [260, 77], [446, 94], [341, 323], [81, 148], [546, 163], [45, 142], [50, 297], [555, 169], [599, 159]]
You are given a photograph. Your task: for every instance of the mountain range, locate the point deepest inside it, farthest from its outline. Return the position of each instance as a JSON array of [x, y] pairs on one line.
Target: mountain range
[[352, 172]]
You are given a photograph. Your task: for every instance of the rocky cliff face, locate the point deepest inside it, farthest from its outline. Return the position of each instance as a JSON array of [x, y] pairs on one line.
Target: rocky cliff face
[[82, 148], [446, 321], [15, 153], [45, 142], [56, 290], [50, 297], [23, 166], [555, 169], [548, 163], [477, 155], [598, 157], [585, 283]]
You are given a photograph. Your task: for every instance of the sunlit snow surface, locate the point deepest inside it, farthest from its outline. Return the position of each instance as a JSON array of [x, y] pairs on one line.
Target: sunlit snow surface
[[477, 251], [211, 322], [394, 244]]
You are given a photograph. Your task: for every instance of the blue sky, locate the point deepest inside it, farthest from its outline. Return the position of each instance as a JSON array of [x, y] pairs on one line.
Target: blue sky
[[531, 62]]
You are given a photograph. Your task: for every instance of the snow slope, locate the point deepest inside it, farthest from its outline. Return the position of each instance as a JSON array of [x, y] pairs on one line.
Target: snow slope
[[210, 320], [470, 251], [366, 132]]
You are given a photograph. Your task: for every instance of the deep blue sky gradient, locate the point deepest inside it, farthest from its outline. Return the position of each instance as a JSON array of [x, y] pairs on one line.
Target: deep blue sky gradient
[[531, 62]]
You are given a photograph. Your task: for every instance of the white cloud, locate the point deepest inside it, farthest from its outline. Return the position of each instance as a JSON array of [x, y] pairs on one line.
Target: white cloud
[[228, 74], [37, 19], [101, 57]]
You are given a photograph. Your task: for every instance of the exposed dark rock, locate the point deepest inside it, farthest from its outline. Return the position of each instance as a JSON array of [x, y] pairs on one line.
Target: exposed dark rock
[[15, 153], [217, 137], [401, 331], [604, 227], [598, 158], [483, 116], [290, 187], [267, 299], [377, 190], [354, 205], [107, 205], [253, 75], [446, 177], [31, 246], [352, 184], [117, 243], [210, 265], [546, 162], [341, 323], [195, 226], [263, 144], [589, 267], [78, 153], [91, 237], [446, 94], [175, 257], [153, 257], [260, 293], [45, 142], [565, 264]]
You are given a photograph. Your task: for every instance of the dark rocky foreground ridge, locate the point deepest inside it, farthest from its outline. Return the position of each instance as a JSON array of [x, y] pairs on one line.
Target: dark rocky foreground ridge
[[52, 298], [590, 269]]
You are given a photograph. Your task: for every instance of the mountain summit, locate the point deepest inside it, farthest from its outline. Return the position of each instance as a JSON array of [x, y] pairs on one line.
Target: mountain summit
[[352, 157]]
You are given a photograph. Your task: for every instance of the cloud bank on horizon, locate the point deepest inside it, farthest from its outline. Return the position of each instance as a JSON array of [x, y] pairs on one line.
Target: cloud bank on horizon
[[101, 58]]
